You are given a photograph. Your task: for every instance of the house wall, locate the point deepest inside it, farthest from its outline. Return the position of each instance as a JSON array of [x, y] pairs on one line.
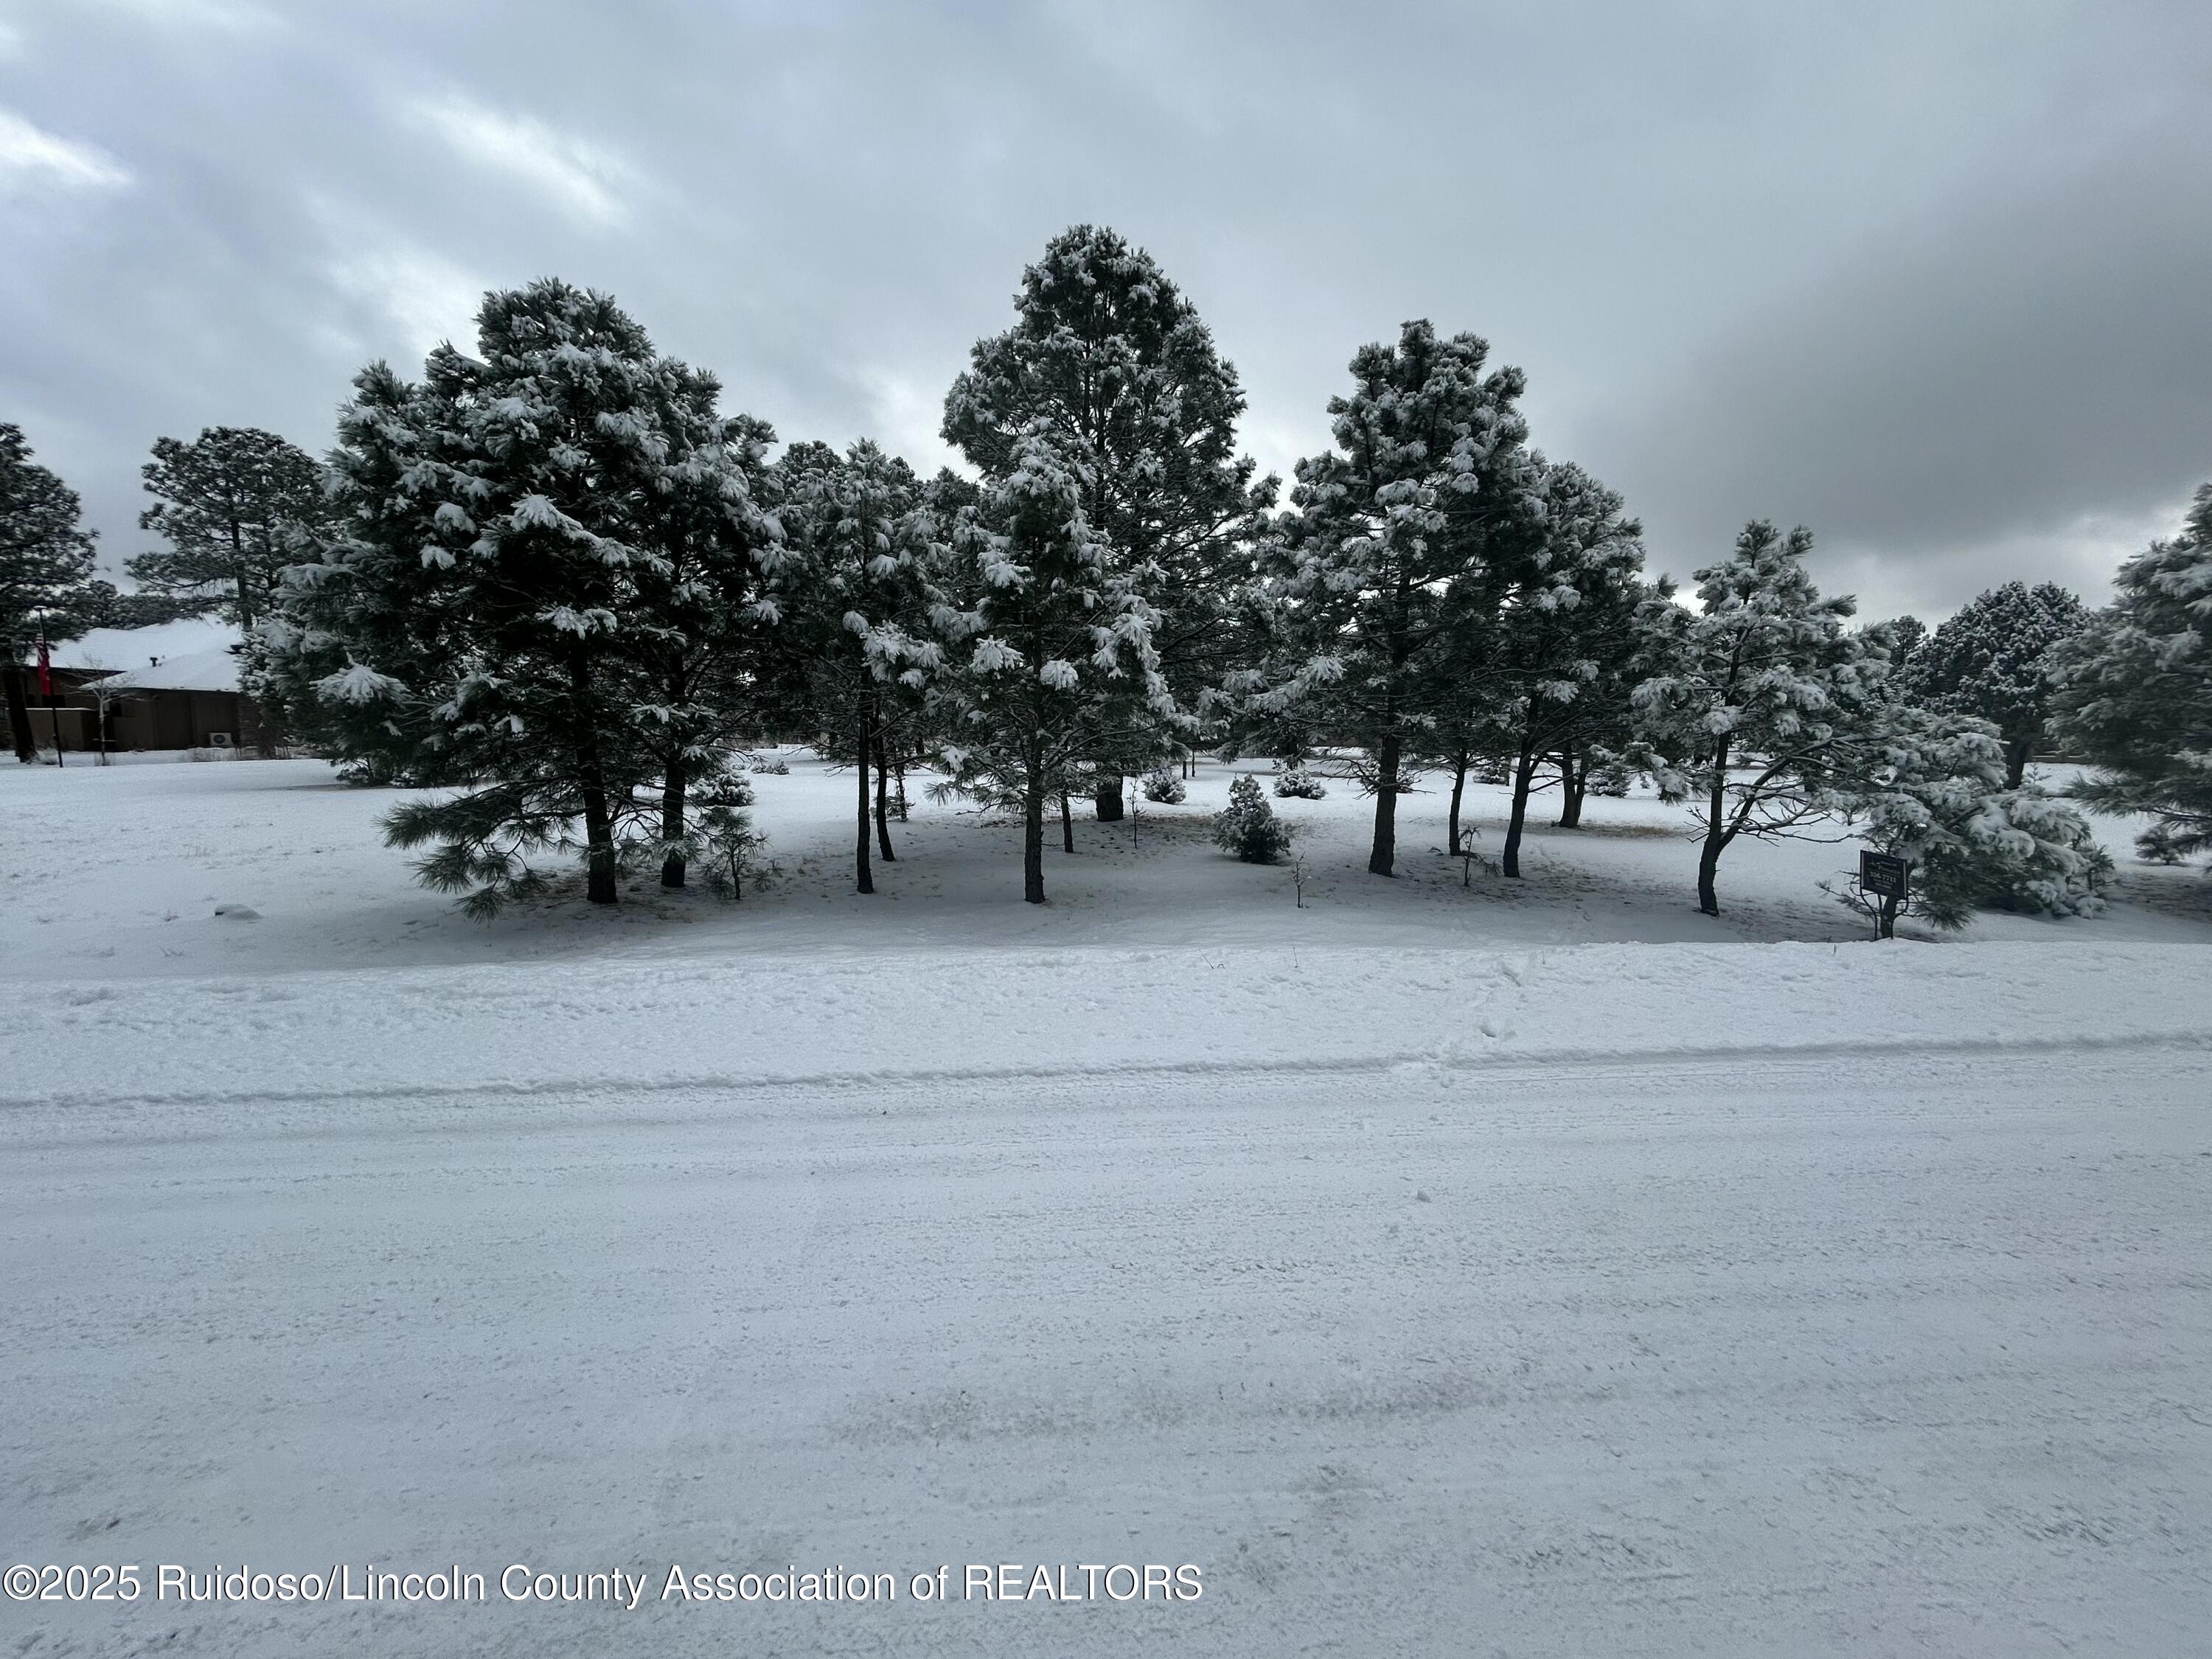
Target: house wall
[[150, 719]]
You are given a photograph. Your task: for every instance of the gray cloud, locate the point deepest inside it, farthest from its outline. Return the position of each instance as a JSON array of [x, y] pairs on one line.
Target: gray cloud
[[1927, 278], [2014, 388]]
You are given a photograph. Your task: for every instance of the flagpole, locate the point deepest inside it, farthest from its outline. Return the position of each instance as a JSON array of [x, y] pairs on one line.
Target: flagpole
[[46, 690]]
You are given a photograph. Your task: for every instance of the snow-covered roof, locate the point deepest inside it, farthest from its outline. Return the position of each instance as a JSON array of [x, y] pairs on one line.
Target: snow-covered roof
[[194, 670], [191, 655]]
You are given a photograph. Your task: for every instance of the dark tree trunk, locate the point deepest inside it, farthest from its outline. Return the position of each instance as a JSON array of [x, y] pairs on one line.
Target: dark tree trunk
[[1033, 831], [1574, 784], [1067, 826], [672, 821], [1458, 790], [1524, 776], [19, 716], [883, 804], [2015, 763], [1383, 854], [864, 879], [1109, 799], [598, 842], [1708, 860], [898, 774], [591, 784]]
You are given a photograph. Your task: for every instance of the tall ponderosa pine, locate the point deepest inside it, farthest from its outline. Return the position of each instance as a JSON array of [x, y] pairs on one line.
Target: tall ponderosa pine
[[1990, 660], [2135, 692], [490, 608], [229, 502], [1566, 625], [46, 584], [1763, 711], [855, 624], [704, 606], [1110, 362], [1392, 554], [1048, 647]]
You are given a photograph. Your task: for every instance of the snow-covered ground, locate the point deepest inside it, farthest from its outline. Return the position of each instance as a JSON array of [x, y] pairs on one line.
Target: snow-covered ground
[[1536, 1268], [117, 873]]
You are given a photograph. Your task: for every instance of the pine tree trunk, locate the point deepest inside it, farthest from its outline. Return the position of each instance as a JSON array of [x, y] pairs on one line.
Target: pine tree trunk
[[1067, 826], [1383, 854], [864, 879], [672, 821], [598, 842], [898, 773], [592, 785], [1108, 800], [19, 716], [1458, 790], [2015, 763], [1709, 859], [1033, 829], [1524, 776], [883, 802], [1574, 784]]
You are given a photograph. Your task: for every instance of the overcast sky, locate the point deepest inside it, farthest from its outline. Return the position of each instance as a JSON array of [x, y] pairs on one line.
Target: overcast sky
[[1935, 279]]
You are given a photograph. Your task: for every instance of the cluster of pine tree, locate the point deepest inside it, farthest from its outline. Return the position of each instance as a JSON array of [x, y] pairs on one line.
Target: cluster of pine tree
[[554, 576]]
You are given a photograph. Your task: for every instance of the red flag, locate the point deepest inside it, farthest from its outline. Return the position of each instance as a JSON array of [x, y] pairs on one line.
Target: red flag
[[45, 670]]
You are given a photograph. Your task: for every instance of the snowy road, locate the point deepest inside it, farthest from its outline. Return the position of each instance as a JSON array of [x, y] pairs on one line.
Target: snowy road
[[1754, 1356]]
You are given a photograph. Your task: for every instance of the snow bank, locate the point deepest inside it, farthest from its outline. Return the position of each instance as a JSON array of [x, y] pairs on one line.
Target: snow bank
[[849, 1018]]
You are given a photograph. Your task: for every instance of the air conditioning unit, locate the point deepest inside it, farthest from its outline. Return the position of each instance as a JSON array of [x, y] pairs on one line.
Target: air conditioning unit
[[218, 739]]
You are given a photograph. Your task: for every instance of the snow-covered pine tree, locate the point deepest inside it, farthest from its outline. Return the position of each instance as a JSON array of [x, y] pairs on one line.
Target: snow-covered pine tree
[[1599, 750], [1111, 361], [478, 613], [1248, 827], [229, 502], [722, 829], [1990, 661], [2134, 693], [1392, 552], [1931, 788], [855, 628], [704, 609], [1907, 633], [46, 584], [1047, 647], [1764, 701], [1562, 638]]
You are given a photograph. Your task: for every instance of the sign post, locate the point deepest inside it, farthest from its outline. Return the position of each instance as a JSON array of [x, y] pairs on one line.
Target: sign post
[[1885, 877]]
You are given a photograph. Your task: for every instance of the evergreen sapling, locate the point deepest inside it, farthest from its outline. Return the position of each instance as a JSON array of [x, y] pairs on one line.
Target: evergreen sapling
[[1248, 826]]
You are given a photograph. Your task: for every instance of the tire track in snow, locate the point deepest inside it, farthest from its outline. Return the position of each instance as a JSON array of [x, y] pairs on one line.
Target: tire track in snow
[[1500, 1061]]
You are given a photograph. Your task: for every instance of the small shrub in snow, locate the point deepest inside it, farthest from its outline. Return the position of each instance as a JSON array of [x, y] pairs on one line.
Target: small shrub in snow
[[1296, 783], [771, 766], [1248, 826], [1163, 787]]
